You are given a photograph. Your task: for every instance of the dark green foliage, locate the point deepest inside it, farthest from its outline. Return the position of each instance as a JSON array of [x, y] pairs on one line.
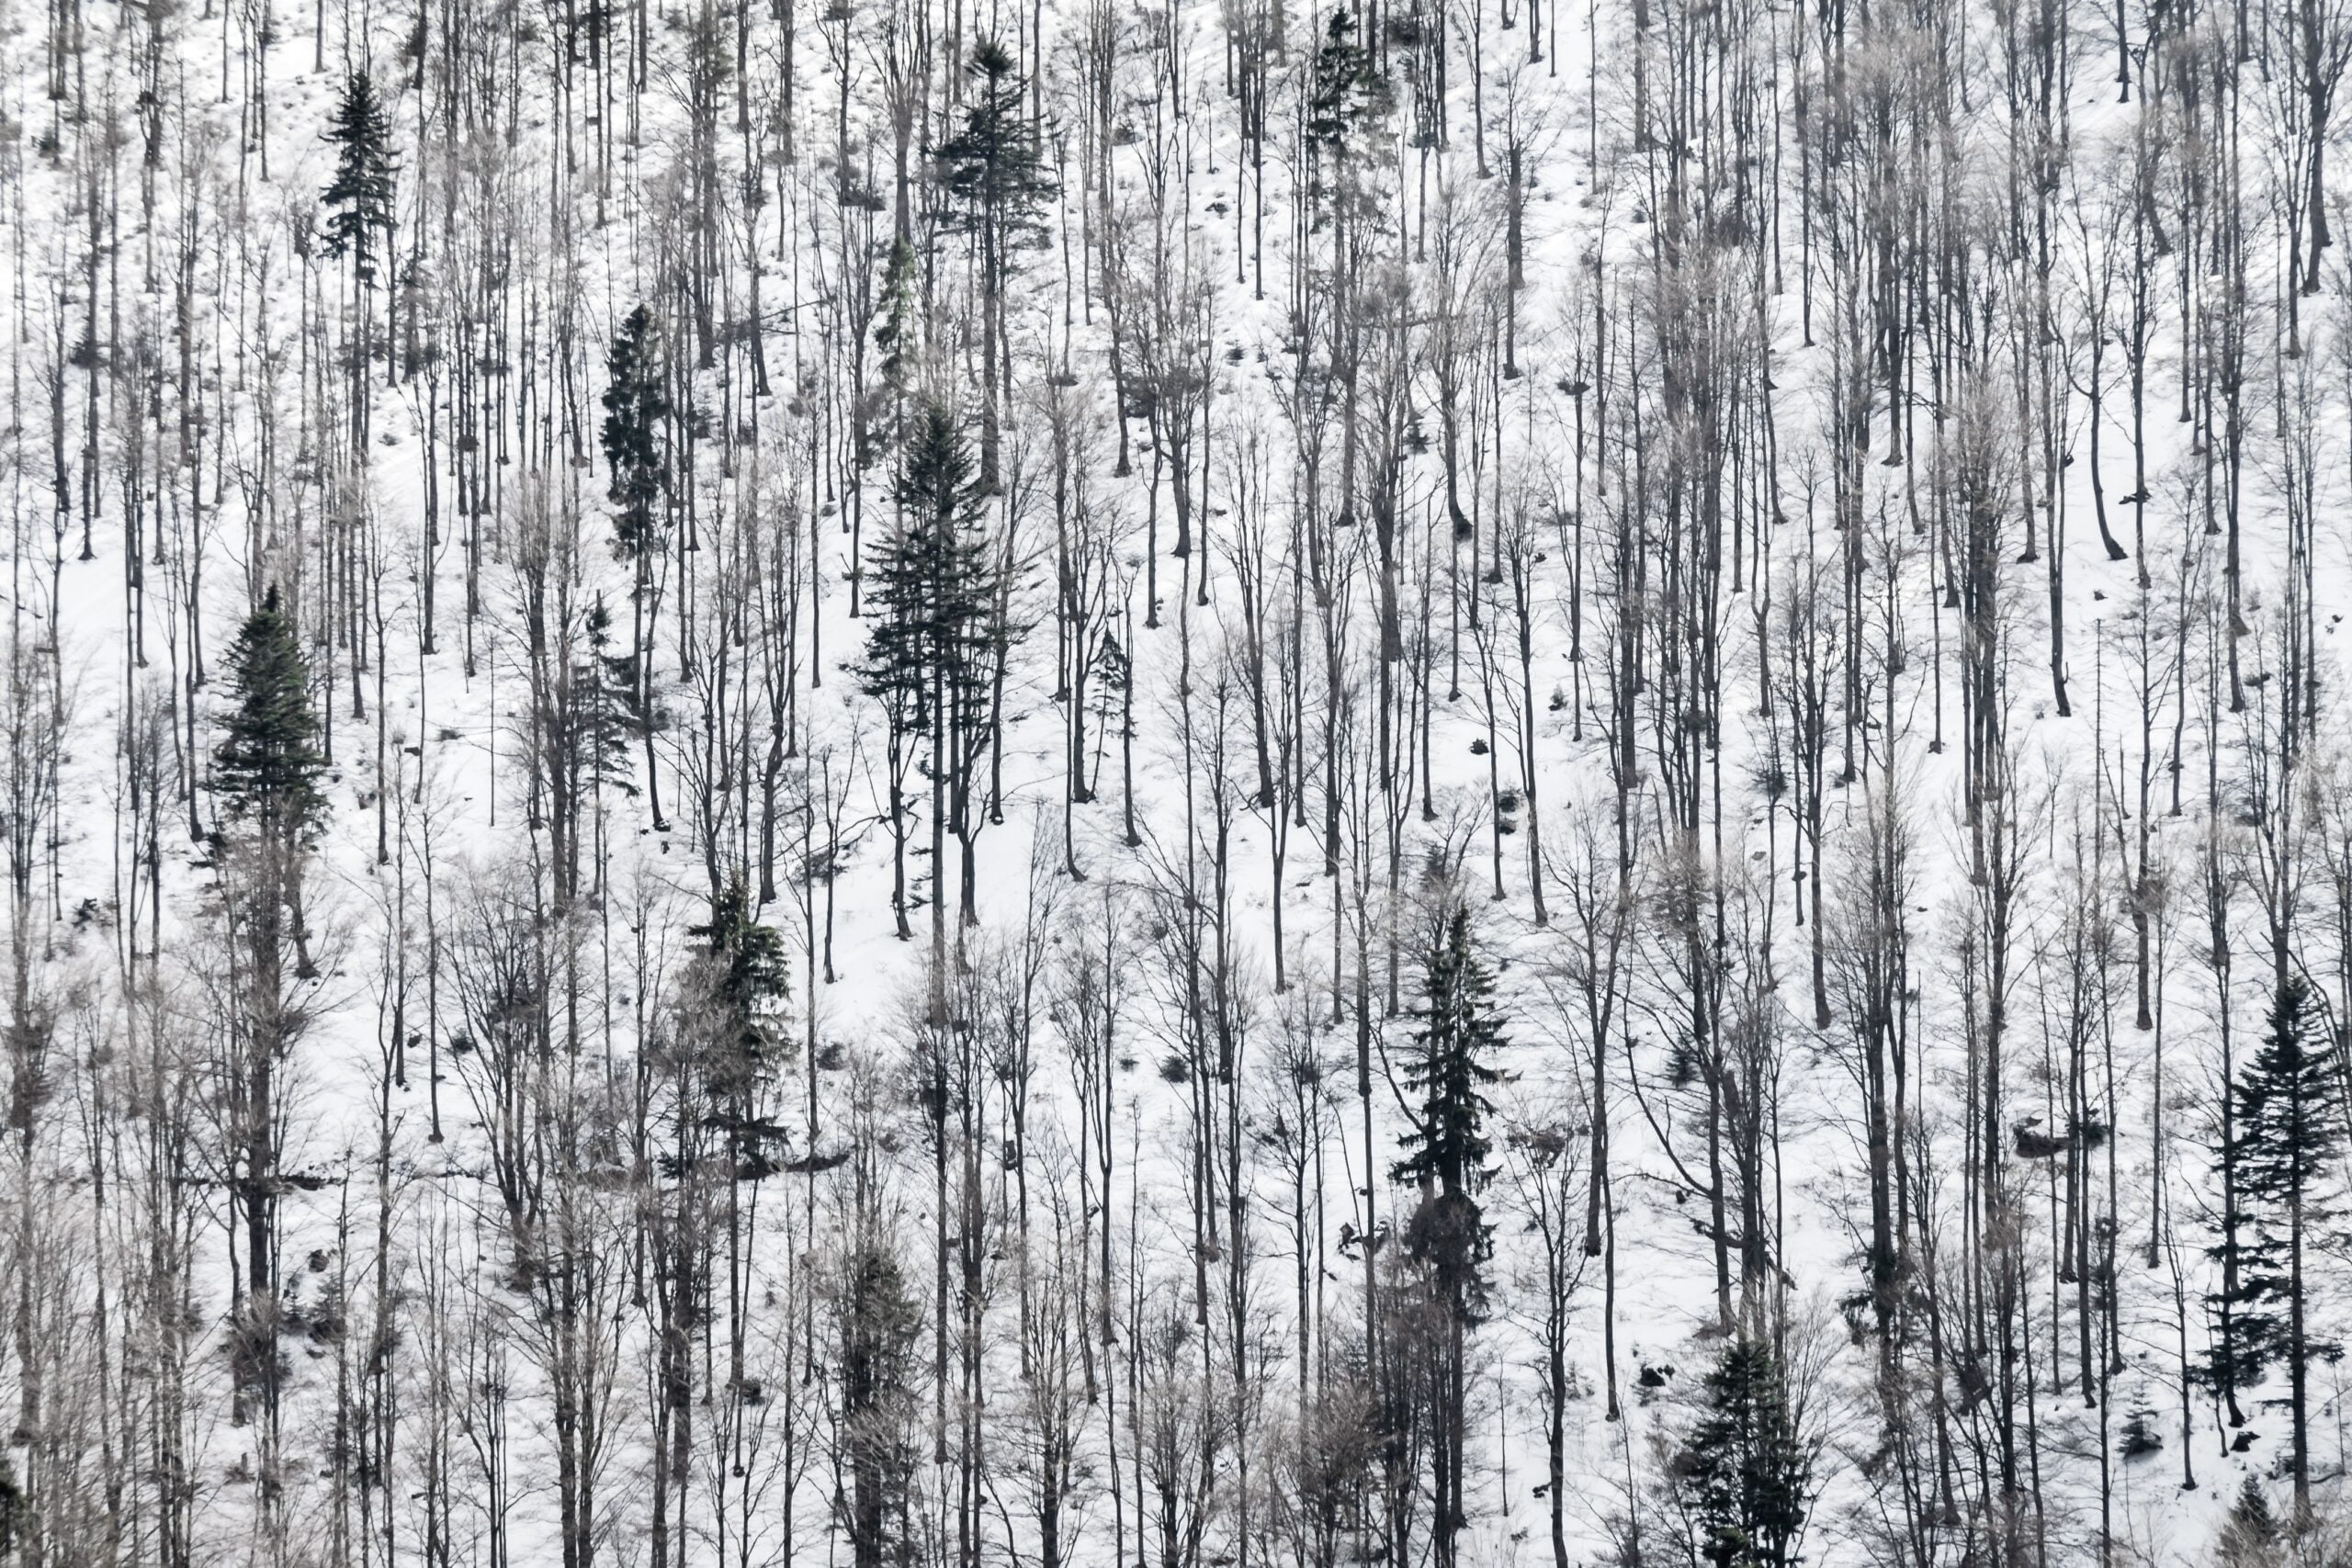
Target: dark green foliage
[[895, 335], [266, 771], [635, 404], [1350, 92], [1448, 1147], [995, 166], [2286, 1131], [745, 977], [363, 189], [2250, 1537], [935, 585], [605, 686], [1745, 1468], [749, 976], [877, 1323], [2140, 1437]]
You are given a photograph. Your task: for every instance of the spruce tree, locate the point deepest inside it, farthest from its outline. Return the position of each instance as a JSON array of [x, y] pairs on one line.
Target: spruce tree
[[1747, 1466], [2250, 1535], [935, 635], [604, 684], [266, 771], [1447, 1151], [2287, 1128], [1347, 90], [895, 335], [750, 975], [996, 166], [877, 1326], [364, 186], [994, 170], [636, 403], [1448, 1146]]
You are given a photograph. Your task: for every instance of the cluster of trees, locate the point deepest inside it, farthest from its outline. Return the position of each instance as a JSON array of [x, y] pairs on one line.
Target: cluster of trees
[[1126, 782]]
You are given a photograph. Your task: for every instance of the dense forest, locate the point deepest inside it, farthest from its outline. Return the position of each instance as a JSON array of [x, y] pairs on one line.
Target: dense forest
[[915, 783]]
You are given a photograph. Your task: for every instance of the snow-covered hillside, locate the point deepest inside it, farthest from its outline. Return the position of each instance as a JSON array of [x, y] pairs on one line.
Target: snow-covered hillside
[[1194, 784]]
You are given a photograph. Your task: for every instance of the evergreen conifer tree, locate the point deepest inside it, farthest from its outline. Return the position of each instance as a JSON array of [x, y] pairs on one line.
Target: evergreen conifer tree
[[750, 975], [365, 183], [1747, 1465], [895, 335], [11, 1504], [1347, 91], [2287, 1129], [994, 170], [266, 773], [996, 166], [267, 770], [2249, 1537], [935, 633], [636, 402], [1447, 1149], [877, 1323], [606, 683], [1448, 1146]]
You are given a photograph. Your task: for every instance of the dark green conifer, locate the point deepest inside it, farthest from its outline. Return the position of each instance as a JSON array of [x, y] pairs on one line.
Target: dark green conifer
[[364, 186], [936, 630], [994, 170], [636, 403], [2287, 1129], [266, 771], [1447, 1145], [1748, 1466]]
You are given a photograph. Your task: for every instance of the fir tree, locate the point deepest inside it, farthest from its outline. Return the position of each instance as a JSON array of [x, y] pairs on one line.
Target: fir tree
[[749, 976], [746, 977], [937, 631], [2249, 1537], [364, 186], [1447, 1145], [1747, 1466], [1349, 92], [995, 166], [607, 684], [635, 404], [1447, 1149], [876, 1324], [895, 335], [994, 170], [266, 771], [2288, 1130]]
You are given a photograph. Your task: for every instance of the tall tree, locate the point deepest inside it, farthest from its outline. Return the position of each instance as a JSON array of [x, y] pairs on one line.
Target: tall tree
[[268, 767], [1447, 1148], [2289, 1129], [637, 407], [995, 171], [365, 180], [938, 631], [267, 772], [359, 222], [1747, 1468]]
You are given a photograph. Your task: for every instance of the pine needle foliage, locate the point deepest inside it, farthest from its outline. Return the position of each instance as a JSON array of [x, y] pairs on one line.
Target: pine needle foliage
[[365, 178], [267, 770], [1747, 1468]]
